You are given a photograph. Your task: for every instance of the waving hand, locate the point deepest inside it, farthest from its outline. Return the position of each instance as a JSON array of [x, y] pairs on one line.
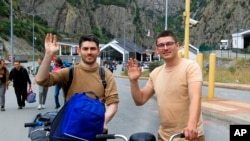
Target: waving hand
[[51, 45], [134, 72]]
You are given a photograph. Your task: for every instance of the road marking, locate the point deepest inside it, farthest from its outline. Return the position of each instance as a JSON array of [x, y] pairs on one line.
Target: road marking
[[217, 107], [245, 105], [207, 122]]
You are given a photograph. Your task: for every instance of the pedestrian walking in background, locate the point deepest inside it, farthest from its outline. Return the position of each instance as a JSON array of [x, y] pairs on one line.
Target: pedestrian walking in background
[[177, 85], [41, 89], [20, 78], [111, 68], [58, 64], [4, 78]]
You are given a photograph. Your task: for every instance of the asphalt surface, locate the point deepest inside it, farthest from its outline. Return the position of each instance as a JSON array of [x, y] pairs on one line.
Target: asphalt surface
[[12, 120], [229, 109]]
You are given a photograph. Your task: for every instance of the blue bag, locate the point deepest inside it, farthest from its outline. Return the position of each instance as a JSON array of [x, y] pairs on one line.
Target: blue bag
[[81, 118], [31, 96], [67, 64]]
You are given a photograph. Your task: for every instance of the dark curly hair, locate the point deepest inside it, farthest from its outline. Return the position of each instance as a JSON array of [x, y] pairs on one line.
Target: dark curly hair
[[58, 60]]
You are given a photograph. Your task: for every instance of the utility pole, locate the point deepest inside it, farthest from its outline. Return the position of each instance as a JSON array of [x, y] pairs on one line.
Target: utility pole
[[166, 15], [124, 34], [186, 38], [11, 34], [33, 14], [124, 37], [135, 44]]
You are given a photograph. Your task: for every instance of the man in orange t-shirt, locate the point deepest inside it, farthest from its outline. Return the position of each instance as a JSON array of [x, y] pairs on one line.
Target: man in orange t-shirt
[[177, 85]]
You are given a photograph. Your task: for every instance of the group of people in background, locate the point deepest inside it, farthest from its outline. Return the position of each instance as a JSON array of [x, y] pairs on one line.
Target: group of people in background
[[19, 75], [56, 65], [4, 78], [42, 91], [111, 65], [20, 78]]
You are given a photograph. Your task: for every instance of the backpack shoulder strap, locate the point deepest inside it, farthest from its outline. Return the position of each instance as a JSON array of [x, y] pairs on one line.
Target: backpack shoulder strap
[[71, 70], [102, 75]]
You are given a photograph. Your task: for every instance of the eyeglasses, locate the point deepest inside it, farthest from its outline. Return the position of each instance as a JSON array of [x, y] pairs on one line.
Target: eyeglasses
[[167, 44]]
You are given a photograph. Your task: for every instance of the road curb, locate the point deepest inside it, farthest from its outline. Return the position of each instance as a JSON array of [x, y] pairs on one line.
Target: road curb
[[205, 83], [225, 118], [229, 85]]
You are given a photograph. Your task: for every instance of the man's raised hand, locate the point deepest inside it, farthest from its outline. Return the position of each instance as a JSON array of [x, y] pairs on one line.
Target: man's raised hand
[[134, 72], [51, 44]]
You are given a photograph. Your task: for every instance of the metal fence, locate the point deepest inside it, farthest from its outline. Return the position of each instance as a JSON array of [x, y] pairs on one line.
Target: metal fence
[[231, 66]]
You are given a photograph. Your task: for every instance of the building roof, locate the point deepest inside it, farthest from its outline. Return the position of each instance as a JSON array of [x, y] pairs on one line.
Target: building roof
[[117, 44], [130, 46], [74, 44], [241, 33]]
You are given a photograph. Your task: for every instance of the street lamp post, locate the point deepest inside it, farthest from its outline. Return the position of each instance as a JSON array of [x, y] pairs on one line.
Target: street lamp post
[[124, 53], [135, 44], [186, 38], [11, 34], [33, 42], [33, 33], [166, 15]]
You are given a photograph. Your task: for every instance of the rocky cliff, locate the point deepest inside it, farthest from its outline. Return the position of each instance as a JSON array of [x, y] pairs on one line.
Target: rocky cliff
[[136, 17], [218, 19]]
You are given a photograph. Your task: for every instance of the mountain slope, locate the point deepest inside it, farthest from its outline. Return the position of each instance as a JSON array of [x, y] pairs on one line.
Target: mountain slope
[[133, 18]]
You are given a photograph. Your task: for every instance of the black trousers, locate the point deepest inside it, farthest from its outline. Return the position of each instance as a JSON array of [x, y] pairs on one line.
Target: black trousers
[[21, 95]]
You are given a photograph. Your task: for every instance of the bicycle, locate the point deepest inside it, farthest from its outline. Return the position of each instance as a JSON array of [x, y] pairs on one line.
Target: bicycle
[[40, 130], [177, 135], [141, 136]]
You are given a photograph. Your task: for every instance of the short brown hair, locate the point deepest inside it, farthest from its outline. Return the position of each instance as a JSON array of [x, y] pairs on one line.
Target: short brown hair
[[165, 34], [88, 38]]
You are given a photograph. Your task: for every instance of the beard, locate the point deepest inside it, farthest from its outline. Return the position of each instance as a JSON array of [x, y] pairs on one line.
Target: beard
[[89, 62]]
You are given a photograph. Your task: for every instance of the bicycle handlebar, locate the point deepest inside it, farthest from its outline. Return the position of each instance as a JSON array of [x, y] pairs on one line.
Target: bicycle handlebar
[[44, 119], [111, 136], [177, 135], [33, 124]]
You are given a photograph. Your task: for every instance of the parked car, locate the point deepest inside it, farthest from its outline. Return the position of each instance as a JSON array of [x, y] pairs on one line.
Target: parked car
[[145, 66]]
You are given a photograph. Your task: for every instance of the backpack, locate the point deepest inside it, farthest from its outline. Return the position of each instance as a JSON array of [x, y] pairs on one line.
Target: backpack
[[81, 118], [41, 133], [81, 109]]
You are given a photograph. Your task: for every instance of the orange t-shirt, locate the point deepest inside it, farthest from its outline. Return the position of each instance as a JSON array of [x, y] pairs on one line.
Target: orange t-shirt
[[171, 89]]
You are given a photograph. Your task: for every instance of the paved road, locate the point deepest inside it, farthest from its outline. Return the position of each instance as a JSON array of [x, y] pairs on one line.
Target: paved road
[[129, 119], [13, 119]]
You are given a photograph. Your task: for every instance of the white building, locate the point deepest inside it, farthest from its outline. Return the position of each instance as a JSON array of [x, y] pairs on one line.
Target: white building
[[241, 39]]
